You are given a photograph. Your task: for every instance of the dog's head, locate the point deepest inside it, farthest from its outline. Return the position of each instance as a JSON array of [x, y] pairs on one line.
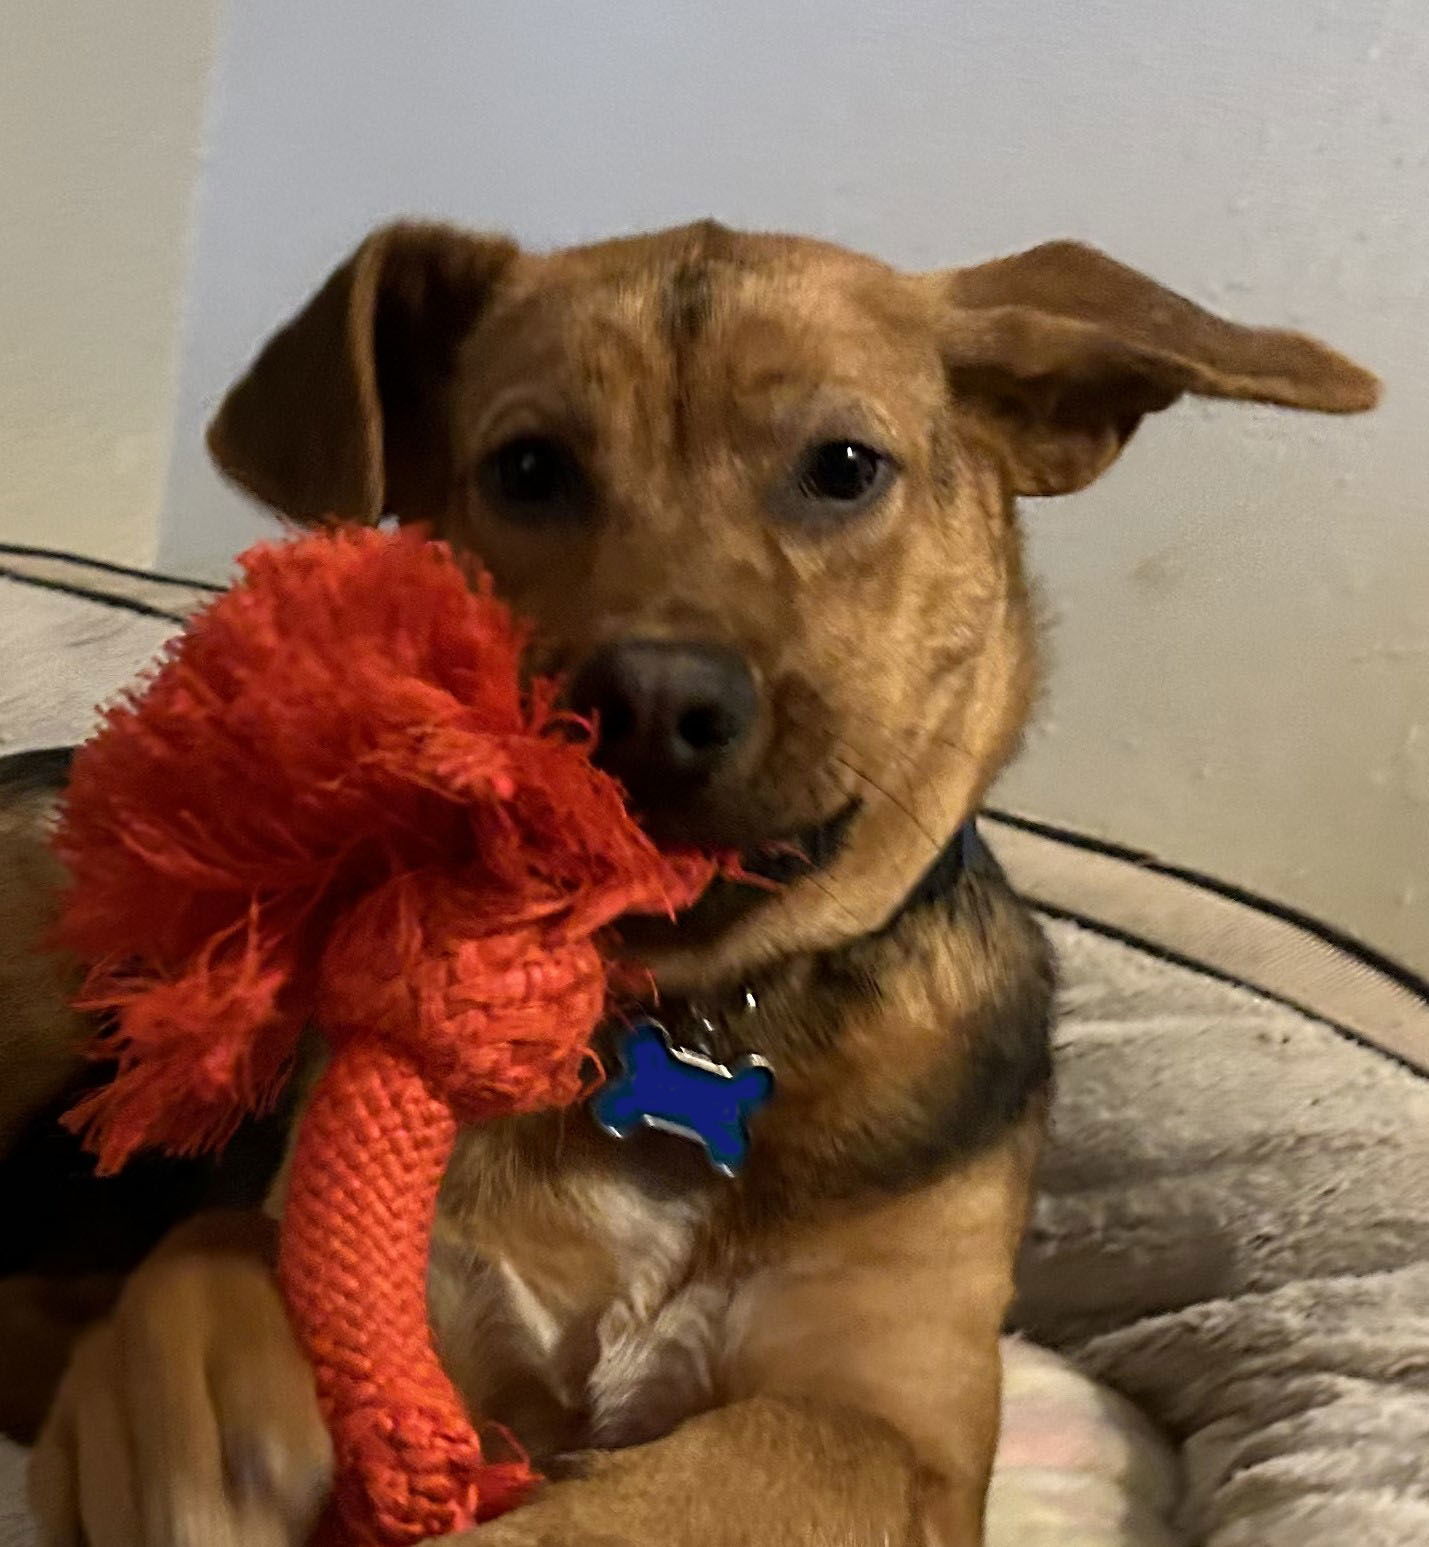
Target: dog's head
[[757, 496]]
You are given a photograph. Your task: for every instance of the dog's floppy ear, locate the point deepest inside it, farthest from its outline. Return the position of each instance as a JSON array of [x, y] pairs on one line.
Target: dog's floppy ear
[[1064, 350], [339, 414]]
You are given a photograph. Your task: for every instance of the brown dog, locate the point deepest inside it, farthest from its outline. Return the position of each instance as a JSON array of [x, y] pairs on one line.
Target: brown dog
[[757, 495]]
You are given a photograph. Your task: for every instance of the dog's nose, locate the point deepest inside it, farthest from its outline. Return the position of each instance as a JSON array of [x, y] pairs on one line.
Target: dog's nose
[[669, 713]]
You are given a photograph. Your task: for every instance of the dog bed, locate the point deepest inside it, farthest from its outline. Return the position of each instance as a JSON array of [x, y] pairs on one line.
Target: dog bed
[[1223, 1326]]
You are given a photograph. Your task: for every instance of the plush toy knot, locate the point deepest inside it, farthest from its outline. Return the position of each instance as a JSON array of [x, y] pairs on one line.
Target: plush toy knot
[[496, 1023]]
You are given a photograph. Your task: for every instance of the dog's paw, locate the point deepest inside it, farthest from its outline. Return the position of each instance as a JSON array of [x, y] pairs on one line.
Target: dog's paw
[[187, 1419]]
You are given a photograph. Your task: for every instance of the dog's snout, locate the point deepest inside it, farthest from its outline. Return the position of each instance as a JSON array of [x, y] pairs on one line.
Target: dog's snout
[[670, 714]]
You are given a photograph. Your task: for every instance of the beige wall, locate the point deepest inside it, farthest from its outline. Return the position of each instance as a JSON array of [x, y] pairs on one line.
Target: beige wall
[[100, 116]]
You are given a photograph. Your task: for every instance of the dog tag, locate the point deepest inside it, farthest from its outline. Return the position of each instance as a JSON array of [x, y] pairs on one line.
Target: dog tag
[[683, 1092]]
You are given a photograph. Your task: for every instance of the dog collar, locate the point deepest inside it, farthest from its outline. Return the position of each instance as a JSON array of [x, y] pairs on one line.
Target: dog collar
[[682, 1090]]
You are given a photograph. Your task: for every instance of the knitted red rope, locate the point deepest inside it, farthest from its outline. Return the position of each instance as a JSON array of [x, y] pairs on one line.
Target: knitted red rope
[[334, 804]]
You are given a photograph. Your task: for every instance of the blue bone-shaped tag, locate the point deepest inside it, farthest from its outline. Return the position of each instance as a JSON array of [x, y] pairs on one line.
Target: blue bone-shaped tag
[[685, 1093]]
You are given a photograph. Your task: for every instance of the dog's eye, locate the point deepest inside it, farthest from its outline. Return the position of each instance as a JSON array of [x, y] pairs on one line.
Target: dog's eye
[[843, 474], [532, 474], [840, 470]]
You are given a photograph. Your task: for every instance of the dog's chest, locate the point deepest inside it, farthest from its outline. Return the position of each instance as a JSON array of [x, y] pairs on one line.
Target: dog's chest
[[656, 1339], [602, 1303]]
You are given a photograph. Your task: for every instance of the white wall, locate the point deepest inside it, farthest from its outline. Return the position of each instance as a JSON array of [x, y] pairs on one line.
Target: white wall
[[100, 109], [1242, 607]]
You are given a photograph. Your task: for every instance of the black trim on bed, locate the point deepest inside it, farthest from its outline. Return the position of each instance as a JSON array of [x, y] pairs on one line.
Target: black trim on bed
[[1332, 936], [42, 768], [103, 598], [28, 551]]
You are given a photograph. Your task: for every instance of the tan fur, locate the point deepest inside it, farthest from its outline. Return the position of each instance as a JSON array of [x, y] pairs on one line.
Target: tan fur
[[807, 1354]]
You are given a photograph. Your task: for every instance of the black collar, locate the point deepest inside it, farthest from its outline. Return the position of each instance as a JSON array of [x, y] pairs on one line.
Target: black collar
[[707, 1022], [964, 853], [666, 1062]]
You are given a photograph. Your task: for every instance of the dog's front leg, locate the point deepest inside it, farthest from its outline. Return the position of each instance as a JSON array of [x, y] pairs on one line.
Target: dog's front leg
[[767, 1472], [862, 1376]]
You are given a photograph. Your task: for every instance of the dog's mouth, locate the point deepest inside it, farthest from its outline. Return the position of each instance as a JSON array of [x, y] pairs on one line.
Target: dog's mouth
[[768, 865], [780, 861]]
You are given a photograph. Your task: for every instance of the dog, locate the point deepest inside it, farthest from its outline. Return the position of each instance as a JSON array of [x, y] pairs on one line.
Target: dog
[[757, 495]]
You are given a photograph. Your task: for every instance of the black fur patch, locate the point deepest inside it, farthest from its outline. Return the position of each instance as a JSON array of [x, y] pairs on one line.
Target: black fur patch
[[986, 1072], [44, 770], [56, 1216], [971, 1085], [686, 307], [687, 304]]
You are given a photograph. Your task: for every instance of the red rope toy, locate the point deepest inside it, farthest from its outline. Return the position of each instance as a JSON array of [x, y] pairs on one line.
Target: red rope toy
[[335, 805]]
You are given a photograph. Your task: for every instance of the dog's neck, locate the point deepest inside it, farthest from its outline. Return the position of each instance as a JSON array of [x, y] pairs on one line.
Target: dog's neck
[[725, 1022], [893, 1053]]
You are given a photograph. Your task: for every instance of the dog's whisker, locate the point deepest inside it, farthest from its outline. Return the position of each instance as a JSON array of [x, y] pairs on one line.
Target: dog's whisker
[[935, 844], [834, 898], [856, 759], [888, 732], [892, 735]]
